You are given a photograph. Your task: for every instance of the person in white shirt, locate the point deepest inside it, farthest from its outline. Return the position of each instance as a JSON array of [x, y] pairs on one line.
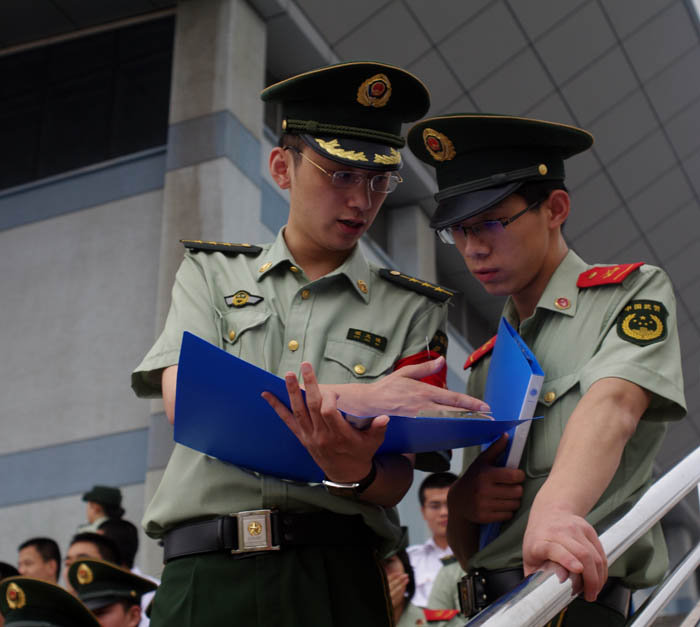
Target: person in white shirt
[[426, 559]]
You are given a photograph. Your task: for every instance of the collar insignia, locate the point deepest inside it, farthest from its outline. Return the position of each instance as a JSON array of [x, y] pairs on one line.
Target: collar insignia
[[439, 146], [242, 298], [480, 352], [375, 91]]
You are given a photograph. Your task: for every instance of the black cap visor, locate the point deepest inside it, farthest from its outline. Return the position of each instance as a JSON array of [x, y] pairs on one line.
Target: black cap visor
[[356, 153], [456, 209]]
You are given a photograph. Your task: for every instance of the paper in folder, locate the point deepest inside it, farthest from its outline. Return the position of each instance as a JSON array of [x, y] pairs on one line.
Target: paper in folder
[[219, 412], [512, 362]]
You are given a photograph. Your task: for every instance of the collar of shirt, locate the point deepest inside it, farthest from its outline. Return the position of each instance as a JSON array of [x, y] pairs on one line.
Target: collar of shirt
[[561, 287], [355, 268]]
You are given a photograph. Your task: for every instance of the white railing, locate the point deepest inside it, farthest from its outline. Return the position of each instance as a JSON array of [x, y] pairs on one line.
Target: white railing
[[545, 593]]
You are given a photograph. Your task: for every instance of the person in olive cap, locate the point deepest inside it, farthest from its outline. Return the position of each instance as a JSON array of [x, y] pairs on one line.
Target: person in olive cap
[[27, 602], [103, 502], [310, 300], [607, 339], [111, 592]]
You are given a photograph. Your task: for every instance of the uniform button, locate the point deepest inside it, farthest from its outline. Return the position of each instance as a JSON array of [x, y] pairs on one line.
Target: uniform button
[[359, 369], [293, 345], [549, 397], [294, 268], [231, 335], [305, 294]]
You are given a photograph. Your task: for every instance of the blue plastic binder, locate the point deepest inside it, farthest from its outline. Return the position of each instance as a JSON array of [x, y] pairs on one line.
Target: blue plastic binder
[[219, 412], [512, 362]]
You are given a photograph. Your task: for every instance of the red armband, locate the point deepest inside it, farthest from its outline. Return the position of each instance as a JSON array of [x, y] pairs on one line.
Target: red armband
[[438, 379]]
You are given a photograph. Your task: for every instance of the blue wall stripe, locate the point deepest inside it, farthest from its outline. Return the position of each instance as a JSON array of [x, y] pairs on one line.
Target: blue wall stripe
[[274, 209], [72, 468], [211, 136], [128, 176]]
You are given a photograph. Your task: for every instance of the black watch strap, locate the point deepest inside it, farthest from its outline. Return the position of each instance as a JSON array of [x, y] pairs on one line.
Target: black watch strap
[[354, 488]]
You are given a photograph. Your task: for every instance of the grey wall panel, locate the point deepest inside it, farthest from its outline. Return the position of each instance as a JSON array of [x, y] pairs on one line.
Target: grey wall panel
[[78, 311], [71, 468], [96, 185]]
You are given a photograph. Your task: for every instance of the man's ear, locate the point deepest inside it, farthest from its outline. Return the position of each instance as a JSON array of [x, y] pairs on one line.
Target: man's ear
[[133, 616], [559, 205], [280, 167]]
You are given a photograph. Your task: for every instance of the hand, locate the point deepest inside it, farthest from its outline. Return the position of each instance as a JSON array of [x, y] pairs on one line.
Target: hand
[[402, 393], [486, 493], [555, 534], [343, 452], [397, 582]]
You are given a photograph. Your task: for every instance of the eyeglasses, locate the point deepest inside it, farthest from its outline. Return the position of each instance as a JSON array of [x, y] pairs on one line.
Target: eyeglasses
[[344, 179], [485, 229]]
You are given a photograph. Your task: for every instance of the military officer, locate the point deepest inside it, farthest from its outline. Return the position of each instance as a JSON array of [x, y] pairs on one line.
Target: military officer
[[606, 338], [112, 593], [26, 602], [309, 299]]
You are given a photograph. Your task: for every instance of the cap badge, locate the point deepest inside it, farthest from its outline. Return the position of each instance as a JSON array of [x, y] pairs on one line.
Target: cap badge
[[16, 599], [439, 146], [84, 575], [375, 91]]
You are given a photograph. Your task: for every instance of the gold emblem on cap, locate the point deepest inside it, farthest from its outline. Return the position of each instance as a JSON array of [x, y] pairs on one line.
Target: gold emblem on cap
[[332, 147], [84, 575], [542, 169], [265, 266], [362, 285], [391, 159], [375, 91], [254, 528], [16, 599], [438, 145]]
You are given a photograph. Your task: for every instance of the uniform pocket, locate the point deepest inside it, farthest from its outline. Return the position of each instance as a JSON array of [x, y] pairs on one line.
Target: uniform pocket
[[241, 328], [558, 399], [354, 363]]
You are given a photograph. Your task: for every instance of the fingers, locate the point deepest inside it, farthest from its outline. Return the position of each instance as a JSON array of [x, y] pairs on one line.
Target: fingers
[[282, 412], [493, 452], [296, 402], [423, 369]]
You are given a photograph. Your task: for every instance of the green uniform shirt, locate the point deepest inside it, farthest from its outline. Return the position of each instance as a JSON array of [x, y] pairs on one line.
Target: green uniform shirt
[[444, 594], [576, 346], [281, 310]]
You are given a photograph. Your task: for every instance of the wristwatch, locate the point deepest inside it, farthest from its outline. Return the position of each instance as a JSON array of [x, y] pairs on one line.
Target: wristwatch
[[351, 489]]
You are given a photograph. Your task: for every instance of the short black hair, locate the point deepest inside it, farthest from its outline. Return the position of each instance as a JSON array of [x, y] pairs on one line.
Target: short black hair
[[532, 191], [436, 480], [126, 537], [106, 547], [46, 547]]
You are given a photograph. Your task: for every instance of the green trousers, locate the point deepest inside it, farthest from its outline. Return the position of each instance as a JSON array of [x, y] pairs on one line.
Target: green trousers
[[579, 613], [298, 587]]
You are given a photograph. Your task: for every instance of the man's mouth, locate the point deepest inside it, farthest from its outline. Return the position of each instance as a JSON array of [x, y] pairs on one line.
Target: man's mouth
[[352, 224]]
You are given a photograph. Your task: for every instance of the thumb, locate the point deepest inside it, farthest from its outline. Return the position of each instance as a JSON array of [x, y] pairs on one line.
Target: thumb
[[423, 369], [493, 452], [377, 429]]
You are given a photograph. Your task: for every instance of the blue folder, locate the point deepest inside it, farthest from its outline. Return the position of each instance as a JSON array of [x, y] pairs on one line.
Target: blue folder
[[219, 412], [511, 361]]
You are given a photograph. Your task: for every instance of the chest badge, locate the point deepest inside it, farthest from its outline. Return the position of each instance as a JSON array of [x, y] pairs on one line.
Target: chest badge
[[242, 298], [643, 322], [367, 338]]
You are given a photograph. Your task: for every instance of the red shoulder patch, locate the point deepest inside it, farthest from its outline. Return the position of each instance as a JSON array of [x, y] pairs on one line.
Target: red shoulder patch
[[606, 275], [436, 615], [484, 349]]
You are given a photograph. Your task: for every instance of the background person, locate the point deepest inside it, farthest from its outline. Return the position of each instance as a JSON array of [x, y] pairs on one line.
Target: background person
[[39, 558], [103, 502], [90, 545], [427, 558]]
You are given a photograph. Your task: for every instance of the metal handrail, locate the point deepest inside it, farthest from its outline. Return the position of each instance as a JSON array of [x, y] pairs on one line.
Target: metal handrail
[[542, 595], [664, 593]]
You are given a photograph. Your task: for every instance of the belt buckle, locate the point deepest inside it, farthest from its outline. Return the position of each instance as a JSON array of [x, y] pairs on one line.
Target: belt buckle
[[467, 595], [254, 531]]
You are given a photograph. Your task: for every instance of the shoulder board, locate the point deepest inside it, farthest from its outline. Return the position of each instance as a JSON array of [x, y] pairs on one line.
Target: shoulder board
[[437, 615], [417, 285], [221, 247], [480, 352], [606, 275]]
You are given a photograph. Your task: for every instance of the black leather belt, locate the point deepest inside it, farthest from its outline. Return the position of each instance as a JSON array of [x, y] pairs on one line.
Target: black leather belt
[[254, 531], [480, 587]]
